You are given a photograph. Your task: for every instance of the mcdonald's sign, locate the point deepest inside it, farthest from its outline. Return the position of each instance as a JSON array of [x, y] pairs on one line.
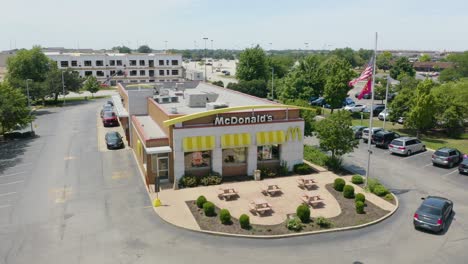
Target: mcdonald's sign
[[294, 133]]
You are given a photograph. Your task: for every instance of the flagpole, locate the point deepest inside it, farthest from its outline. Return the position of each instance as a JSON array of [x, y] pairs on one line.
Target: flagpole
[[369, 140]]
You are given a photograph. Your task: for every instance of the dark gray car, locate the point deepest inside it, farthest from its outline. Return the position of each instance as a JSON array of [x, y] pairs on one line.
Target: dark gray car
[[358, 131], [447, 157], [433, 214]]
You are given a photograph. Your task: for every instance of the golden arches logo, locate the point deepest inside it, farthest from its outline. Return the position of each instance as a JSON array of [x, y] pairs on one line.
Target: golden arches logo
[[293, 133]]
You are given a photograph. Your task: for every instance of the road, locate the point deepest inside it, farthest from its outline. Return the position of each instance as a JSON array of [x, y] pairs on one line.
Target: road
[[64, 201]]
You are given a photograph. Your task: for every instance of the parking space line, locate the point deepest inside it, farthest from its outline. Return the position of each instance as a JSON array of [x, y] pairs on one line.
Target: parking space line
[[5, 194], [416, 155], [8, 183], [13, 174], [450, 173], [427, 165], [5, 206]]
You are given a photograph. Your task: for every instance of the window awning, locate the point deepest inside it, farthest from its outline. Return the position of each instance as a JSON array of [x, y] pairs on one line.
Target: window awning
[[235, 140], [158, 150], [198, 143], [270, 137]]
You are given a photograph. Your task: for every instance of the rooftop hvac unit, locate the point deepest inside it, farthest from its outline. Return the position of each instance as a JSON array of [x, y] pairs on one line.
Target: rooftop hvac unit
[[218, 105], [174, 110], [164, 92]]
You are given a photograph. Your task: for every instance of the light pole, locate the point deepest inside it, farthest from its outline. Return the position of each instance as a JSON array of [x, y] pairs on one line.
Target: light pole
[[205, 56], [272, 74], [212, 52], [63, 88], [386, 101], [29, 102], [165, 46]]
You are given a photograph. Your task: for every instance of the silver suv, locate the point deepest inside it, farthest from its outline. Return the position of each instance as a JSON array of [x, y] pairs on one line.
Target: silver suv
[[447, 157], [406, 146], [365, 133]]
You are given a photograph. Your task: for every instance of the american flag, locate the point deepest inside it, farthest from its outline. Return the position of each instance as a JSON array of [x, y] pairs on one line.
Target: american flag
[[365, 74]]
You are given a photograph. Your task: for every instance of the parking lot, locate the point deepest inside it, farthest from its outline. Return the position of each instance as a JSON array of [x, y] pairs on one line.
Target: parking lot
[[101, 134]]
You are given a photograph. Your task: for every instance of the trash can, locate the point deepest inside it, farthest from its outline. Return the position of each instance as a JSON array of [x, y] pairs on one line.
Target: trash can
[[257, 175]]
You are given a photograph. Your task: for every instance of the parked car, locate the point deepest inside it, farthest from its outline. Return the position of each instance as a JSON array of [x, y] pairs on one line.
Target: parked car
[[447, 157], [114, 140], [358, 131], [313, 98], [406, 146], [377, 109], [348, 101], [385, 114], [401, 120], [223, 71], [105, 108], [365, 133], [109, 118], [383, 138], [227, 73], [365, 96], [110, 102], [319, 102], [433, 214], [463, 167], [355, 108]]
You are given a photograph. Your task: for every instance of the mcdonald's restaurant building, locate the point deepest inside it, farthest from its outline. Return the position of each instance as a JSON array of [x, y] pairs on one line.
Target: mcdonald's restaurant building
[[205, 128]]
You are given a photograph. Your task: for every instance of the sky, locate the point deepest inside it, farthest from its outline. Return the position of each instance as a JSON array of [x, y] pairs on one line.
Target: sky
[[235, 24]]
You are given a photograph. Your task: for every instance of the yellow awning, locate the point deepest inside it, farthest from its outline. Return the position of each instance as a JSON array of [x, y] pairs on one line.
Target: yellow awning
[[235, 140], [270, 137], [198, 143]]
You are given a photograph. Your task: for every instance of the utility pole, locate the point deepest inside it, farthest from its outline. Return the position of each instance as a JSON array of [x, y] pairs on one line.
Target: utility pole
[[272, 79], [29, 102], [212, 52], [63, 88], [205, 56]]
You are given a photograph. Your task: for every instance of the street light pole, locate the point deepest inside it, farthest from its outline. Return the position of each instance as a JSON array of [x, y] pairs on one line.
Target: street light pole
[[29, 102], [63, 88], [212, 52], [205, 57], [272, 72], [386, 101]]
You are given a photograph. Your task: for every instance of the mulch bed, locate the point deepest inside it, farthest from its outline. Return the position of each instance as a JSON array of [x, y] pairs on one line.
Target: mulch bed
[[348, 217]]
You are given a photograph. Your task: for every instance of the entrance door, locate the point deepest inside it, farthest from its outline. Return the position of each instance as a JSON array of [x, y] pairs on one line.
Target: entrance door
[[163, 168]]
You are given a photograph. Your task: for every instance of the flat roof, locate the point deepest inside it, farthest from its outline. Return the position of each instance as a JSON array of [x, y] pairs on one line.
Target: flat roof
[[230, 97], [150, 128]]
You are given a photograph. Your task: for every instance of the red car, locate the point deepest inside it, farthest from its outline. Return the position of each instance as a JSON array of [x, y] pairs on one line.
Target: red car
[[109, 119]]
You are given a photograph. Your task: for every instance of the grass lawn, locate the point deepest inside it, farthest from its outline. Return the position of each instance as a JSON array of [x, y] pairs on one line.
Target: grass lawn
[[59, 103], [433, 140]]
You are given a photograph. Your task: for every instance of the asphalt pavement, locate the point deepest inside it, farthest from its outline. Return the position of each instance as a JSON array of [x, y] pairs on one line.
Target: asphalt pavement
[[62, 200]]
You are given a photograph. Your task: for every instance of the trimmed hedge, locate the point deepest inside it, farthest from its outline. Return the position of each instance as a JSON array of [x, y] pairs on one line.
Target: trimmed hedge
[[357, 179], [348, 191], [323, 222], [359, 207], [303, 212], [211, 180], [339, 184], [302, 169], [360, 197], [225, 216], [389, 197], [189, 181], [294, 224], [244, 221], [209, 209], [200, 201], [380, 190], [371, 183]]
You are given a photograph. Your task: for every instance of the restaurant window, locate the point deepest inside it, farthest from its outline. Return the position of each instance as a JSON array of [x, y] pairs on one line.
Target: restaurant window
[[235, 156], [268, 152], [197, 159]]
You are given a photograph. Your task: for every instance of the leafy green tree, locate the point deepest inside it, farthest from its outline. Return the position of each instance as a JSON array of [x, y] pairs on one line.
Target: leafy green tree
[[122, 49], [144, 49], [14, 109], [425, 58], [280, 64], [254, 87], [384, 60], [335, 134], [380, 88], [92, 85], [402, 67], [52, 86], [460, 62], [421, 117], [252, 65], [401, 104], [338, 72], [407, 82], [450, 74], [307, 115], [451, 106], [349, 55], [365, 54]]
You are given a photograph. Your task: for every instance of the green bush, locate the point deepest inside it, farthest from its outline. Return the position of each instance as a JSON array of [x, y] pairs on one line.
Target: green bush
[[209, 209], [188, 181], [380, 190], [357, 115], [244, 221], [389, 197], [333, 164], [360, 197], [348, 191], [357, 179], [323, 222], [315, 155], [302, 169], [303, 212], [359, 207], [200, 201], [225, 216], [283, 169], [294, 224], [339, 184], [371, 183], [211, 180], [266, 172]]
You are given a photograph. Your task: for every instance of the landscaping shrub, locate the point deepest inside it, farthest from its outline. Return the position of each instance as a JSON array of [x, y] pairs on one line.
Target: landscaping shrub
[[359, 207], [294, 224], [283, 169], [339, 184], [357, 179], [380, 190], [211, 180], [371, 183], [348, 191], [225, 216], [315, 155], [189, 181], [323, 222], [333, 164], [303, 212], [266, 172], [302, 169], [244, 221], [360, 197], [200, 201], [209, 209], [389, 197]]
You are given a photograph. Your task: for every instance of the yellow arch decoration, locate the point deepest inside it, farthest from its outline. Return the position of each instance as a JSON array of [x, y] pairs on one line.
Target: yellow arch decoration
[[184, 118]]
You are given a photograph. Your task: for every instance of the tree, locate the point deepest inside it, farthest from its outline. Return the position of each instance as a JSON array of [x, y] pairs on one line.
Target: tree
[[14, 109], [122, 49], [144, 49], [338, 72], [383, 60], [92, 85], [401, 104], [307, 115], [52, 86], [451, 106], [335, 134], [402, 67], [254, 87], [349, 55], [450, 75], [425, 58], [422, 115], [380, 88], [280, 64], [252, 65]]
